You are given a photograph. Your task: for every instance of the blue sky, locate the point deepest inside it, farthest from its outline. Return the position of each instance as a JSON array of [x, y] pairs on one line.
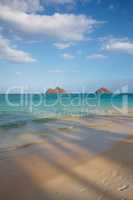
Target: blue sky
[[76, 44]]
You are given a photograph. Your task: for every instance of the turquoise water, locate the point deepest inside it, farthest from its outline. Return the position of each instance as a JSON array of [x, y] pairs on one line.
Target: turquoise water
[[18, 108], [24, 119]]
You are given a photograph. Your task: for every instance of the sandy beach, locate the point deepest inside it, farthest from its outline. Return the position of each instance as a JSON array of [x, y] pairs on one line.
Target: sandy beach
[[66, 100], [83, 159]]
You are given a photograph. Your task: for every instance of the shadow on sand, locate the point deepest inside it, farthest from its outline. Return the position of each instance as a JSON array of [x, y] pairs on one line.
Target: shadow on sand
[[17, 181]]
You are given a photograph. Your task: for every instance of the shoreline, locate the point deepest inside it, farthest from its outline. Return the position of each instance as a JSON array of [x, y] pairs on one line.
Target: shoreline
[[68, 164]]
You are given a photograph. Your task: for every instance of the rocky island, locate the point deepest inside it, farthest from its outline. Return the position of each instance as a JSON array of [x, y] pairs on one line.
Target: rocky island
[[56, 90], [103, 90]]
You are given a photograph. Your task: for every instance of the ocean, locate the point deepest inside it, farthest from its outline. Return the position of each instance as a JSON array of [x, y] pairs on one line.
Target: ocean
[[25, 107], [21, 114]]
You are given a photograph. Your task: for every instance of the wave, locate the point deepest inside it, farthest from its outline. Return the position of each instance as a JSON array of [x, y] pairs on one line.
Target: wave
[[10, 149], [19, 124], [10, 125], [43, 120]]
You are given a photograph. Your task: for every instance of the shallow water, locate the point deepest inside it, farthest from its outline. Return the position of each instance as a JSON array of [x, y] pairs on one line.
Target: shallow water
[[21, 139], [17, 107], [24, 119]]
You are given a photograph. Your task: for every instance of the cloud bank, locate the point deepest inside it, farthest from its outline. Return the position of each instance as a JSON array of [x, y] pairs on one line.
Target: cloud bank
[[30, 6], [14, 55], [21, 19], [63, 45], [96, 56], [68, 56], [119, 45], [66, 27]]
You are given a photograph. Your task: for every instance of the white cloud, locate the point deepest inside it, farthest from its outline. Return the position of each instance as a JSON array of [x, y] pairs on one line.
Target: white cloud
[[68, 56], [11, 54], [20, 19], [55, 71], [32, 6], [67, 27], [23, 5], [119, 45], [60, 1], [62, 45], [96, 56]]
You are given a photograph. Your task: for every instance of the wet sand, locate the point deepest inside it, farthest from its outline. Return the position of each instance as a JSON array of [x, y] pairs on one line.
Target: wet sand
[[83, 159]]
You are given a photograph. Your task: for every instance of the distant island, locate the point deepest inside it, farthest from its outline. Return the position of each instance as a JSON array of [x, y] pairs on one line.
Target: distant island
[[56, 90], [103, 90], [59, 90]]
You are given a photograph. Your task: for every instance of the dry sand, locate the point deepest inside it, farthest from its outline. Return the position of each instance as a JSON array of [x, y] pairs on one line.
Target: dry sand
[[58, 168]]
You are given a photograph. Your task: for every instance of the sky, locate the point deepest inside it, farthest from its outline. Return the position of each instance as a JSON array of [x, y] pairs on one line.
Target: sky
[[75, 44]]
